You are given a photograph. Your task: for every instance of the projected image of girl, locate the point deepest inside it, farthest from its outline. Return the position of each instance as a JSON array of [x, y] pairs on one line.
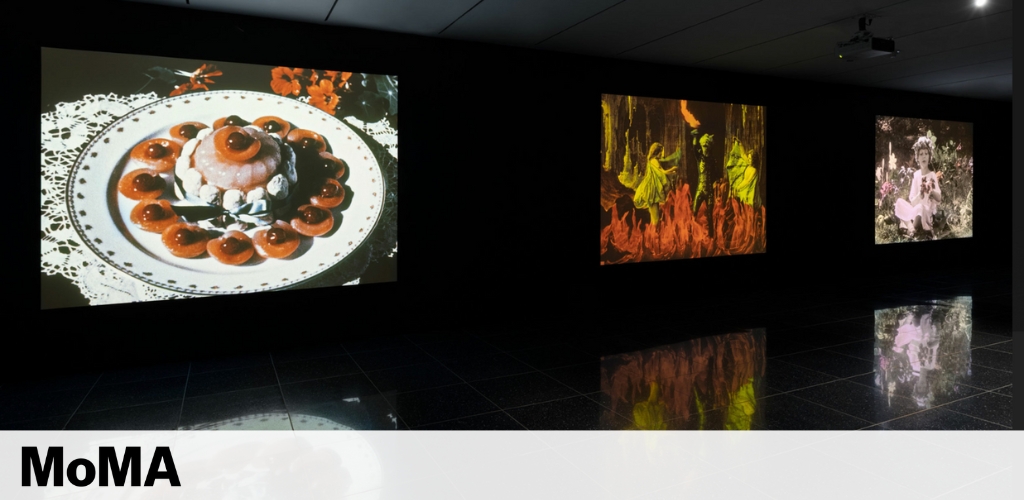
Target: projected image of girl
[[918, 212], [924, 171]]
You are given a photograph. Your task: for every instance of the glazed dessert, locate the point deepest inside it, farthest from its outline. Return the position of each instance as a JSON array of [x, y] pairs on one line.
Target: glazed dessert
[[242, 178], [232, 165]]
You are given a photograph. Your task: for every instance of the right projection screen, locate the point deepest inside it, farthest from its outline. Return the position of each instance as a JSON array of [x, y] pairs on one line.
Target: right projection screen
[[924, 179]]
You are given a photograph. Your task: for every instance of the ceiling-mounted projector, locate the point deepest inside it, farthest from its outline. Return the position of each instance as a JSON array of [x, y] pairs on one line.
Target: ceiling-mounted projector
[[864, 45]]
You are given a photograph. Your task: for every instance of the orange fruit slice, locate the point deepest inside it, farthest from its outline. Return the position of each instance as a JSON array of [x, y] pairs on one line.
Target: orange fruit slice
[[142, 184], [233, 120], [184, 132], [313, 221], [278, 241], [236, 144], [273, 125], [329, 194], [185, 240], [232, 248], [306, 141], [158, 154], [153, 215]]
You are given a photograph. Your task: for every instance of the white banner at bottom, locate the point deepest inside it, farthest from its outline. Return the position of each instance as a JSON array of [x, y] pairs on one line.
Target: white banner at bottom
[[393, 465]]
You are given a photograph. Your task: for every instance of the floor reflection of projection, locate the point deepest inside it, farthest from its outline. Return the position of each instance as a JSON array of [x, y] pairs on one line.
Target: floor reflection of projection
[[706, 383], [923, 352], [280, 465], [348, 414], [271, 422]]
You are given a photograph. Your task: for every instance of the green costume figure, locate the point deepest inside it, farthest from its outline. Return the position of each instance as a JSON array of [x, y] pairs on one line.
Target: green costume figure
[[652, 189], [701, 148]]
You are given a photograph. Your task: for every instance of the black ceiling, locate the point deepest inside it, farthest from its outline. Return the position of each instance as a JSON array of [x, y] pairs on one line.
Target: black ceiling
[[949, 47]]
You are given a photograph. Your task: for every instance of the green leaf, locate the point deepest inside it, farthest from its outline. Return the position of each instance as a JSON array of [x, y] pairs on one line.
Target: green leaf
[[387, 87], [163, 74]]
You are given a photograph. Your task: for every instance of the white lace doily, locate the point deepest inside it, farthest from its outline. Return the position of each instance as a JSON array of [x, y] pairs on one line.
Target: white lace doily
[[65, 132]]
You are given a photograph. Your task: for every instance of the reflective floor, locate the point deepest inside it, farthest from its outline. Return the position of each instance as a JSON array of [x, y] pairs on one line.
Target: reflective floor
[[936, 355]]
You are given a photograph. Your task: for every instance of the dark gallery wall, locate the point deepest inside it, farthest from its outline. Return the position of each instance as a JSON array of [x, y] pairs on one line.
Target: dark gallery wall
[[498, 189]]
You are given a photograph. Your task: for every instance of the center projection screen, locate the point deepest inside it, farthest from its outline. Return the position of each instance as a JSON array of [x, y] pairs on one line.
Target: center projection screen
[[681, 179]]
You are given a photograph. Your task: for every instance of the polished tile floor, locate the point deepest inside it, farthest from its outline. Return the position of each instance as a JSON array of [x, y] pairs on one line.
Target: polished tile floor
[[935, 355]]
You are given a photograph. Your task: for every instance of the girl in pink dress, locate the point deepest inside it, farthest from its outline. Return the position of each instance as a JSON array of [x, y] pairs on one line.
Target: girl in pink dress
[[916, 213], [919, 338]]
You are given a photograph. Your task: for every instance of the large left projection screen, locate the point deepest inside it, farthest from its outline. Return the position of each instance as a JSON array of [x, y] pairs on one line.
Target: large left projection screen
[[681, 179], [168, 178]]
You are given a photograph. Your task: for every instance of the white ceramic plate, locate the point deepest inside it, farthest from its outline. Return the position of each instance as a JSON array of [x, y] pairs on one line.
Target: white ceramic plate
[[101, 215]]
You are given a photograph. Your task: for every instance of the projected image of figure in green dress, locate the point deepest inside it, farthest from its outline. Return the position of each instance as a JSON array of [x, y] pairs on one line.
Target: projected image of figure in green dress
[[651, 191], [742, 175]]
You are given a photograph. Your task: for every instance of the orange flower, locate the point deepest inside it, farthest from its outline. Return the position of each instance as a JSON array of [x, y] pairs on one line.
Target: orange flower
[[198, 80], [333, 75], [204, 74], [187, 87], [181, 89], [323, 96], [285, 81]]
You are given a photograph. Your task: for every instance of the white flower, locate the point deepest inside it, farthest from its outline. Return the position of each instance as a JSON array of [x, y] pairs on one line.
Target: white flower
[[257, 194], [210, 194], [233, 199], [189, 147], [182, 165], [192, 181]]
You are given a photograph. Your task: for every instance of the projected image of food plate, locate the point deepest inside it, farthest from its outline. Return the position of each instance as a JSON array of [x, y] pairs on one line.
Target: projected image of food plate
[[924, 179], [681, 179], [214, 178]]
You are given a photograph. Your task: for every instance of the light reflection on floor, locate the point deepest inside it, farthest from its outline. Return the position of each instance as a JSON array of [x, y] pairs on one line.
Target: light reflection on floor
[[921, 360], [706, 383], [924, 351]]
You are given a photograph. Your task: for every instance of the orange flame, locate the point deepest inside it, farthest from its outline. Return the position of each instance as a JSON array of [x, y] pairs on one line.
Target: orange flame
[[688, 116], [681, 234]]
